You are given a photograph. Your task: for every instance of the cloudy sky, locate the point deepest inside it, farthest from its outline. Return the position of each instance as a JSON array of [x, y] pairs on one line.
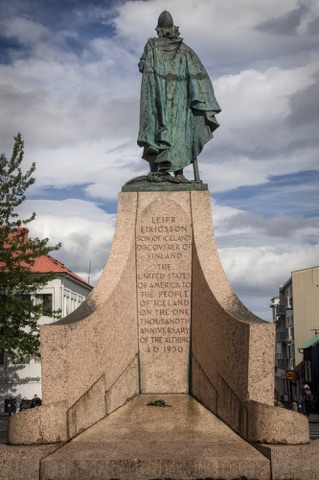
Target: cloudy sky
[[69, 83]]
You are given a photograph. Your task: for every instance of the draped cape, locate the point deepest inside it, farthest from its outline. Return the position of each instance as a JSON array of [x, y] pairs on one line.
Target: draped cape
[[177, 106]]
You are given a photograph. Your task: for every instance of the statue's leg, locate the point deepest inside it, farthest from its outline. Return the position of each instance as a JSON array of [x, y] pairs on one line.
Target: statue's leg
[[179, 175], [153, 167], [164, 167]]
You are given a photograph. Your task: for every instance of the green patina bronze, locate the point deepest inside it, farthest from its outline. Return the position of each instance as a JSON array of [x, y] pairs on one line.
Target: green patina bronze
[[178, 105]]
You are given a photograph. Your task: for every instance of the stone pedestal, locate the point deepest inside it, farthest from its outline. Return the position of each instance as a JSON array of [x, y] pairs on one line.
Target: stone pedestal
[[162, 320]]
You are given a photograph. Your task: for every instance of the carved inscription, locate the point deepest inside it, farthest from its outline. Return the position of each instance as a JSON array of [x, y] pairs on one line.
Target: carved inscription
[[164, 246]]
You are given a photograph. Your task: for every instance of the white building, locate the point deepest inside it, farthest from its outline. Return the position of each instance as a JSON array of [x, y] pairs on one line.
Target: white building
[[22, 378]]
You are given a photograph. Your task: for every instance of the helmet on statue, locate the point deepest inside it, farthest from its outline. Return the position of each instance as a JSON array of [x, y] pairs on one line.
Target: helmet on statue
[[165, 26]]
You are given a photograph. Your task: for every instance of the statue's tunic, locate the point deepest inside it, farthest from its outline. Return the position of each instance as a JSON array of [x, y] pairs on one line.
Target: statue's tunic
[[178, 105]]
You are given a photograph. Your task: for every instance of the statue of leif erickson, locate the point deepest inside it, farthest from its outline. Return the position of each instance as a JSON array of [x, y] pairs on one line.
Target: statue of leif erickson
[[177, 106]]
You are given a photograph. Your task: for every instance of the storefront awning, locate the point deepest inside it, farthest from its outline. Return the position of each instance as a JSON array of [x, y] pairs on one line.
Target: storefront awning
[[310, 343]]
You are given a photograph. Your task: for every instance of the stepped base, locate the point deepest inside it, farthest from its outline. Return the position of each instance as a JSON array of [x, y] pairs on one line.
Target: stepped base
[[182, 441]]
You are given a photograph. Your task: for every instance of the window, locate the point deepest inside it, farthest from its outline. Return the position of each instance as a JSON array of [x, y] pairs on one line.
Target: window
[[46, 300], [23, 302]]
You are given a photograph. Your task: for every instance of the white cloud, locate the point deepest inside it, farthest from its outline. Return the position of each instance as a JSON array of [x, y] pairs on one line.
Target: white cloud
[[258, 255], [255, 104], [85, 230], [223, 33], [26, 31]]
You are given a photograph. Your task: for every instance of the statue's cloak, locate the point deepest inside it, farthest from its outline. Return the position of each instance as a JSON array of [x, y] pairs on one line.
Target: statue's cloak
[[178, 105]]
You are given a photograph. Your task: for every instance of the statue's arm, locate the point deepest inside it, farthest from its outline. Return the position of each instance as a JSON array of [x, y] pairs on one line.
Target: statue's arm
[[142, 60], [147, 54]]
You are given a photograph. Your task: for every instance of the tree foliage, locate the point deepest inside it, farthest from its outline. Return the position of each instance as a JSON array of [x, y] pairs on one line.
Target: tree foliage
[[19, 315]]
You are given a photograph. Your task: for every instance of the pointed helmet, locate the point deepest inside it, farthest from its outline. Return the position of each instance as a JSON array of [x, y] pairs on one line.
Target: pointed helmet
[[165, 20], [165, 26]]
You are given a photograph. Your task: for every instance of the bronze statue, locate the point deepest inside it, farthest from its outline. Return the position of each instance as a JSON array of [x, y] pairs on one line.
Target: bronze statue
[[178, 105]]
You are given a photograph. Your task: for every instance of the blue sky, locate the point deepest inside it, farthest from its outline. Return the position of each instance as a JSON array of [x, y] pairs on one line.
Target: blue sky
[[69, 83]]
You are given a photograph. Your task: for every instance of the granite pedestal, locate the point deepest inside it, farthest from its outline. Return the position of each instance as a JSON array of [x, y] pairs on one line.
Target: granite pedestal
[[162, 321]]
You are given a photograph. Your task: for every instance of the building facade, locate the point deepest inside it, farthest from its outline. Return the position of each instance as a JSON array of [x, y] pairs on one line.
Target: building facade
[[20, 378], [296, 315]]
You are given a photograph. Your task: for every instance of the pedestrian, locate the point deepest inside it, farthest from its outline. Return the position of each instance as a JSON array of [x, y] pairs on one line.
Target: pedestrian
[[307, 396], [36, 401]]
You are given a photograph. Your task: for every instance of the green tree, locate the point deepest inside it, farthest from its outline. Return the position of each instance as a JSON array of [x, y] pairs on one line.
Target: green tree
[[19, 331]]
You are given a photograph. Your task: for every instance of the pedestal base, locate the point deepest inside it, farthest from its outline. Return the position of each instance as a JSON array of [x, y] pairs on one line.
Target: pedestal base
[[183, 441]]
